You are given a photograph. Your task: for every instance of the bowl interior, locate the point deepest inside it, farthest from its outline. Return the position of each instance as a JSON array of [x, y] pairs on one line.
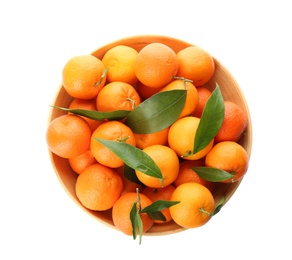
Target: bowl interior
[[230, 91]]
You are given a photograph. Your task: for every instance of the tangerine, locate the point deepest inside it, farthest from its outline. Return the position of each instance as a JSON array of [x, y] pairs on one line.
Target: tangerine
[[234, 123], [81, 162], [68, 135], [195, 64], [196, 204], [120, 63], [98, 187], [156, 65], [121, 212], [83, 76], [110, 130], [204, 94], [117, 96], [228, 156], [168, 163], [181, 138], [144, 140], [145, 91]]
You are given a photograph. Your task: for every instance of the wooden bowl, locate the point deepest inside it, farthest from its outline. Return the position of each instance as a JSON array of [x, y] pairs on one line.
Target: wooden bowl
[[230, 91]]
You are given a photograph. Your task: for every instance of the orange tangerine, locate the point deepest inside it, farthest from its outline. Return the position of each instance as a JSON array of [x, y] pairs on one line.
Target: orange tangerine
[[196, 204], [156, 65], [181, 138], [168, 163]]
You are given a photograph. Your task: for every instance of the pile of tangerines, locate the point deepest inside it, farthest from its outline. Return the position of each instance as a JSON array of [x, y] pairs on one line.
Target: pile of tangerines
[[129, 134]]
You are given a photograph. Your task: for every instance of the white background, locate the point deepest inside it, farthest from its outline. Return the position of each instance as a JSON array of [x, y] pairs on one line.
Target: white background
[[252, 39]]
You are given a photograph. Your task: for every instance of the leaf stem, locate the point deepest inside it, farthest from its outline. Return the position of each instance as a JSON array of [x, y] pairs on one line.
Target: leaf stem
[[185, 81], [138, 200], [205, 212], [188, 153], [182, 78], [101, 78], [162, 182]]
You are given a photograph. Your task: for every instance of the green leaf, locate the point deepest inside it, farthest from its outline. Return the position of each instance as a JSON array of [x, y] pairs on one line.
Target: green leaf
[[219, 206], [212, 174], [133, 157], [134, 215], [211, 120], [157, 215], [154, 209], [140, 225], [157, 112], [136, 221], [159, 205], [97, 115]]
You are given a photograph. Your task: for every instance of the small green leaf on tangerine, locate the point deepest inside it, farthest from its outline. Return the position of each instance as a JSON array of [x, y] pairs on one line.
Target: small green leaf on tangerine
[[97, 115], [159, 205], [212, 174], [211, 120], [157, 112], [154, 209]]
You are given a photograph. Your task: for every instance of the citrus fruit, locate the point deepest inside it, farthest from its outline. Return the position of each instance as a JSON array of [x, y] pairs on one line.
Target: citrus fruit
[[120, 63], [144, 140], [114, 131], [68, 136], [168, 163], [204, 94], [195, 64], [234, 123], [196, 204], [187, 174], [160, 194], [145, 91], [87, 104], [228, 156], [98, 187], [181, 138], [81, 162], [156, 64], [191, 97], [121, 212], [117, 96], [82, 76]]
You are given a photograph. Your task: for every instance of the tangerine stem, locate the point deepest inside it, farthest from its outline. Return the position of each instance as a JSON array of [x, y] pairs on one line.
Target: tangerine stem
[[132, 101], [123, 139]]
